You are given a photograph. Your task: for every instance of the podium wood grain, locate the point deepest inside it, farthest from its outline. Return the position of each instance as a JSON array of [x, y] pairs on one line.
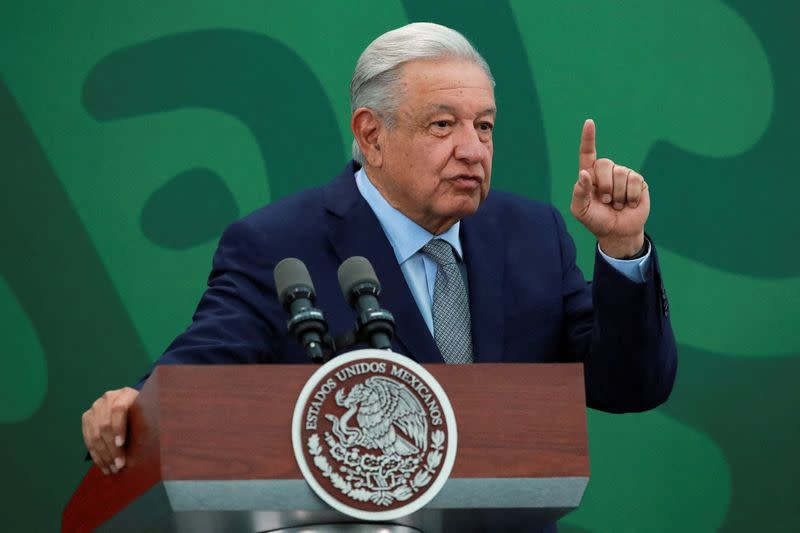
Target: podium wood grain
[[233, 422]]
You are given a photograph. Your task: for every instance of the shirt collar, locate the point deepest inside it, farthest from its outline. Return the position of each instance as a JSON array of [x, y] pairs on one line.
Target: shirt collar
[[405, 235]]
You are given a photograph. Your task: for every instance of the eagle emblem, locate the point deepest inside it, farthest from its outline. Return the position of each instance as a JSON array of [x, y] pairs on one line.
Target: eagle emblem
[[390, 418], [374, 434]]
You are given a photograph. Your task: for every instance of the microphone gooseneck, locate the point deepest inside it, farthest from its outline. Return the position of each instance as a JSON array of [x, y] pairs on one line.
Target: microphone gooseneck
[[296, 293], [361, 288]]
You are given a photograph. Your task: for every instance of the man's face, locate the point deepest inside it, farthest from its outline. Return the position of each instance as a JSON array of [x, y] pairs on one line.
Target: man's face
[[436, 162]]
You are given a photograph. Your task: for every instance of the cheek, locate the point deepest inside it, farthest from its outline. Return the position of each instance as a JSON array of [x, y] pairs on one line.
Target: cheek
[[431, 164], [443, 162], [487, 169]]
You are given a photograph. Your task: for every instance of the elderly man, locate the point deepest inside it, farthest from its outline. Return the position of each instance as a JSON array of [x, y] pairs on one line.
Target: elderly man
[[469, 276]]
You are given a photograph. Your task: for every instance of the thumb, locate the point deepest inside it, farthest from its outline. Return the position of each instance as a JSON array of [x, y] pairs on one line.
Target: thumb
[[581, 194], [119, 414]]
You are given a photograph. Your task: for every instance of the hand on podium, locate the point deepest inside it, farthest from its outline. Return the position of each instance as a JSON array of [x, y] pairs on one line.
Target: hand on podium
[[104, 426]]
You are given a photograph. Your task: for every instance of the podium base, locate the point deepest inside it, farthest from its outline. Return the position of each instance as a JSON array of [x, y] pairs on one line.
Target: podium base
[[348, 528], [465, 505]]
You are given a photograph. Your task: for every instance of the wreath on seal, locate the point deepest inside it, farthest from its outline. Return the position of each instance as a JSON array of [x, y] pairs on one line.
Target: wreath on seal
[[380, 479]]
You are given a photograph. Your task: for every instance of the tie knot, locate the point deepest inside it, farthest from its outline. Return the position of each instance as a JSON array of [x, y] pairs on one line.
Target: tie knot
[[440, 251]]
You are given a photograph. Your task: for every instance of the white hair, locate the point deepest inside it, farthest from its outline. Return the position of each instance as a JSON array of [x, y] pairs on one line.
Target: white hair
[[375, 79]]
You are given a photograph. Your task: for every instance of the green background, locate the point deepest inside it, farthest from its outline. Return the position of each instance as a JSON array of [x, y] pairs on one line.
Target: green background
[[132, 133]]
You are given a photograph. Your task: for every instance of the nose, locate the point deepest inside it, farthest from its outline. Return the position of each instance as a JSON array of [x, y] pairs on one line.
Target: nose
[[468, 146]]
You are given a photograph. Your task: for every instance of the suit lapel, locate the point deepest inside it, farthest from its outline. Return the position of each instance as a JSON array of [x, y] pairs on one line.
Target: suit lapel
[[355, 230], [484, 255]]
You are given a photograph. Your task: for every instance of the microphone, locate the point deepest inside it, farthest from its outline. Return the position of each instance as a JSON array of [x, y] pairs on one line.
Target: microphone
[[296, 294], [361, 288]]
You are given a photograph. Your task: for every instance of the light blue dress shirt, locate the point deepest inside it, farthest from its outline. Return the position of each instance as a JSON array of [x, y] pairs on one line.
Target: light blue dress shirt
[[407, 237]]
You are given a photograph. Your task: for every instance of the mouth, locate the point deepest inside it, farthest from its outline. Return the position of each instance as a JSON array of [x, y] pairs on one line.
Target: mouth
[[467, 181]]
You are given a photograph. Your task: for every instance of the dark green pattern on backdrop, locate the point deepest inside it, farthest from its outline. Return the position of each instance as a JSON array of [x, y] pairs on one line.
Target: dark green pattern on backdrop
[[131, 135], [256, 79], [81, 324], [749, 195]]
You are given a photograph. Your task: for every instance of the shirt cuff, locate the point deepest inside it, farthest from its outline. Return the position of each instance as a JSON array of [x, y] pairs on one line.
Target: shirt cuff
[[633, 269]]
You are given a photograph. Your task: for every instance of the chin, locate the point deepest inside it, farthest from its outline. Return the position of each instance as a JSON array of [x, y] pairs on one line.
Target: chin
[[464, 209]]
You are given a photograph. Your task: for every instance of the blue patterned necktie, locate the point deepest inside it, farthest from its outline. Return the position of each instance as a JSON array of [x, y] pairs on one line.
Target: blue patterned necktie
[[452, 325]]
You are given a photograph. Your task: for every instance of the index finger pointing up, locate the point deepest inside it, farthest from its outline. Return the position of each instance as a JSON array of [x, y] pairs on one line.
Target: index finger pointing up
[[588, 152]]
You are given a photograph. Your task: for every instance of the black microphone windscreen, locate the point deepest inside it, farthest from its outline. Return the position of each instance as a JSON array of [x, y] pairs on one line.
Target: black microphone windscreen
[[289, 273], [354, 271]]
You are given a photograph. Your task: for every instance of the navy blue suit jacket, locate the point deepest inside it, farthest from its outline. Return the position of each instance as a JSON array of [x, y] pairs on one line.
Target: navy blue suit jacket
[[529, 301]]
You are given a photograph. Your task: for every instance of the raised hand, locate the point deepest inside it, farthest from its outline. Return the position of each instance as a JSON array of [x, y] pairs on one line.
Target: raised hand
[[611, 200]]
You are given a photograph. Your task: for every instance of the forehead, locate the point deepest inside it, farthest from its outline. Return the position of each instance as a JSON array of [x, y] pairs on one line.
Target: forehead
[[446, 83]]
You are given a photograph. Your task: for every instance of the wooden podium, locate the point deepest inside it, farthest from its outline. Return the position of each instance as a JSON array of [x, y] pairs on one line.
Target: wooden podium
[[210, 449]]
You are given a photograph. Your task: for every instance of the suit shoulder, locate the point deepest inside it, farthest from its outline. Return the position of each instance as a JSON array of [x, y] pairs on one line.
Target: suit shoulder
[[508, 207], [523, 220], [286, 212], [280, 229]]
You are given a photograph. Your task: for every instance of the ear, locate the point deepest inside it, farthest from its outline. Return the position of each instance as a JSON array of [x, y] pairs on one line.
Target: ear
[[367, 127]]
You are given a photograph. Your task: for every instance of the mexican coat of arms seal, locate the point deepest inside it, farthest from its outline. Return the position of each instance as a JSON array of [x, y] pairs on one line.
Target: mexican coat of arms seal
[[374, 434]]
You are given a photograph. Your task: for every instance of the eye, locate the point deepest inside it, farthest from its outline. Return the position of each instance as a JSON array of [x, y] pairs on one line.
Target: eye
[[485, 130], [440, 128]]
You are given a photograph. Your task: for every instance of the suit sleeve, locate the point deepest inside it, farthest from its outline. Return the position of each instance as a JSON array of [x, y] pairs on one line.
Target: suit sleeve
[[620, 330], [237, 317]]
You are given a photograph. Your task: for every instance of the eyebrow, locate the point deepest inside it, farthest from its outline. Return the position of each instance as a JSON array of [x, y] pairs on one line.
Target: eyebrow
[[444, 108]]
